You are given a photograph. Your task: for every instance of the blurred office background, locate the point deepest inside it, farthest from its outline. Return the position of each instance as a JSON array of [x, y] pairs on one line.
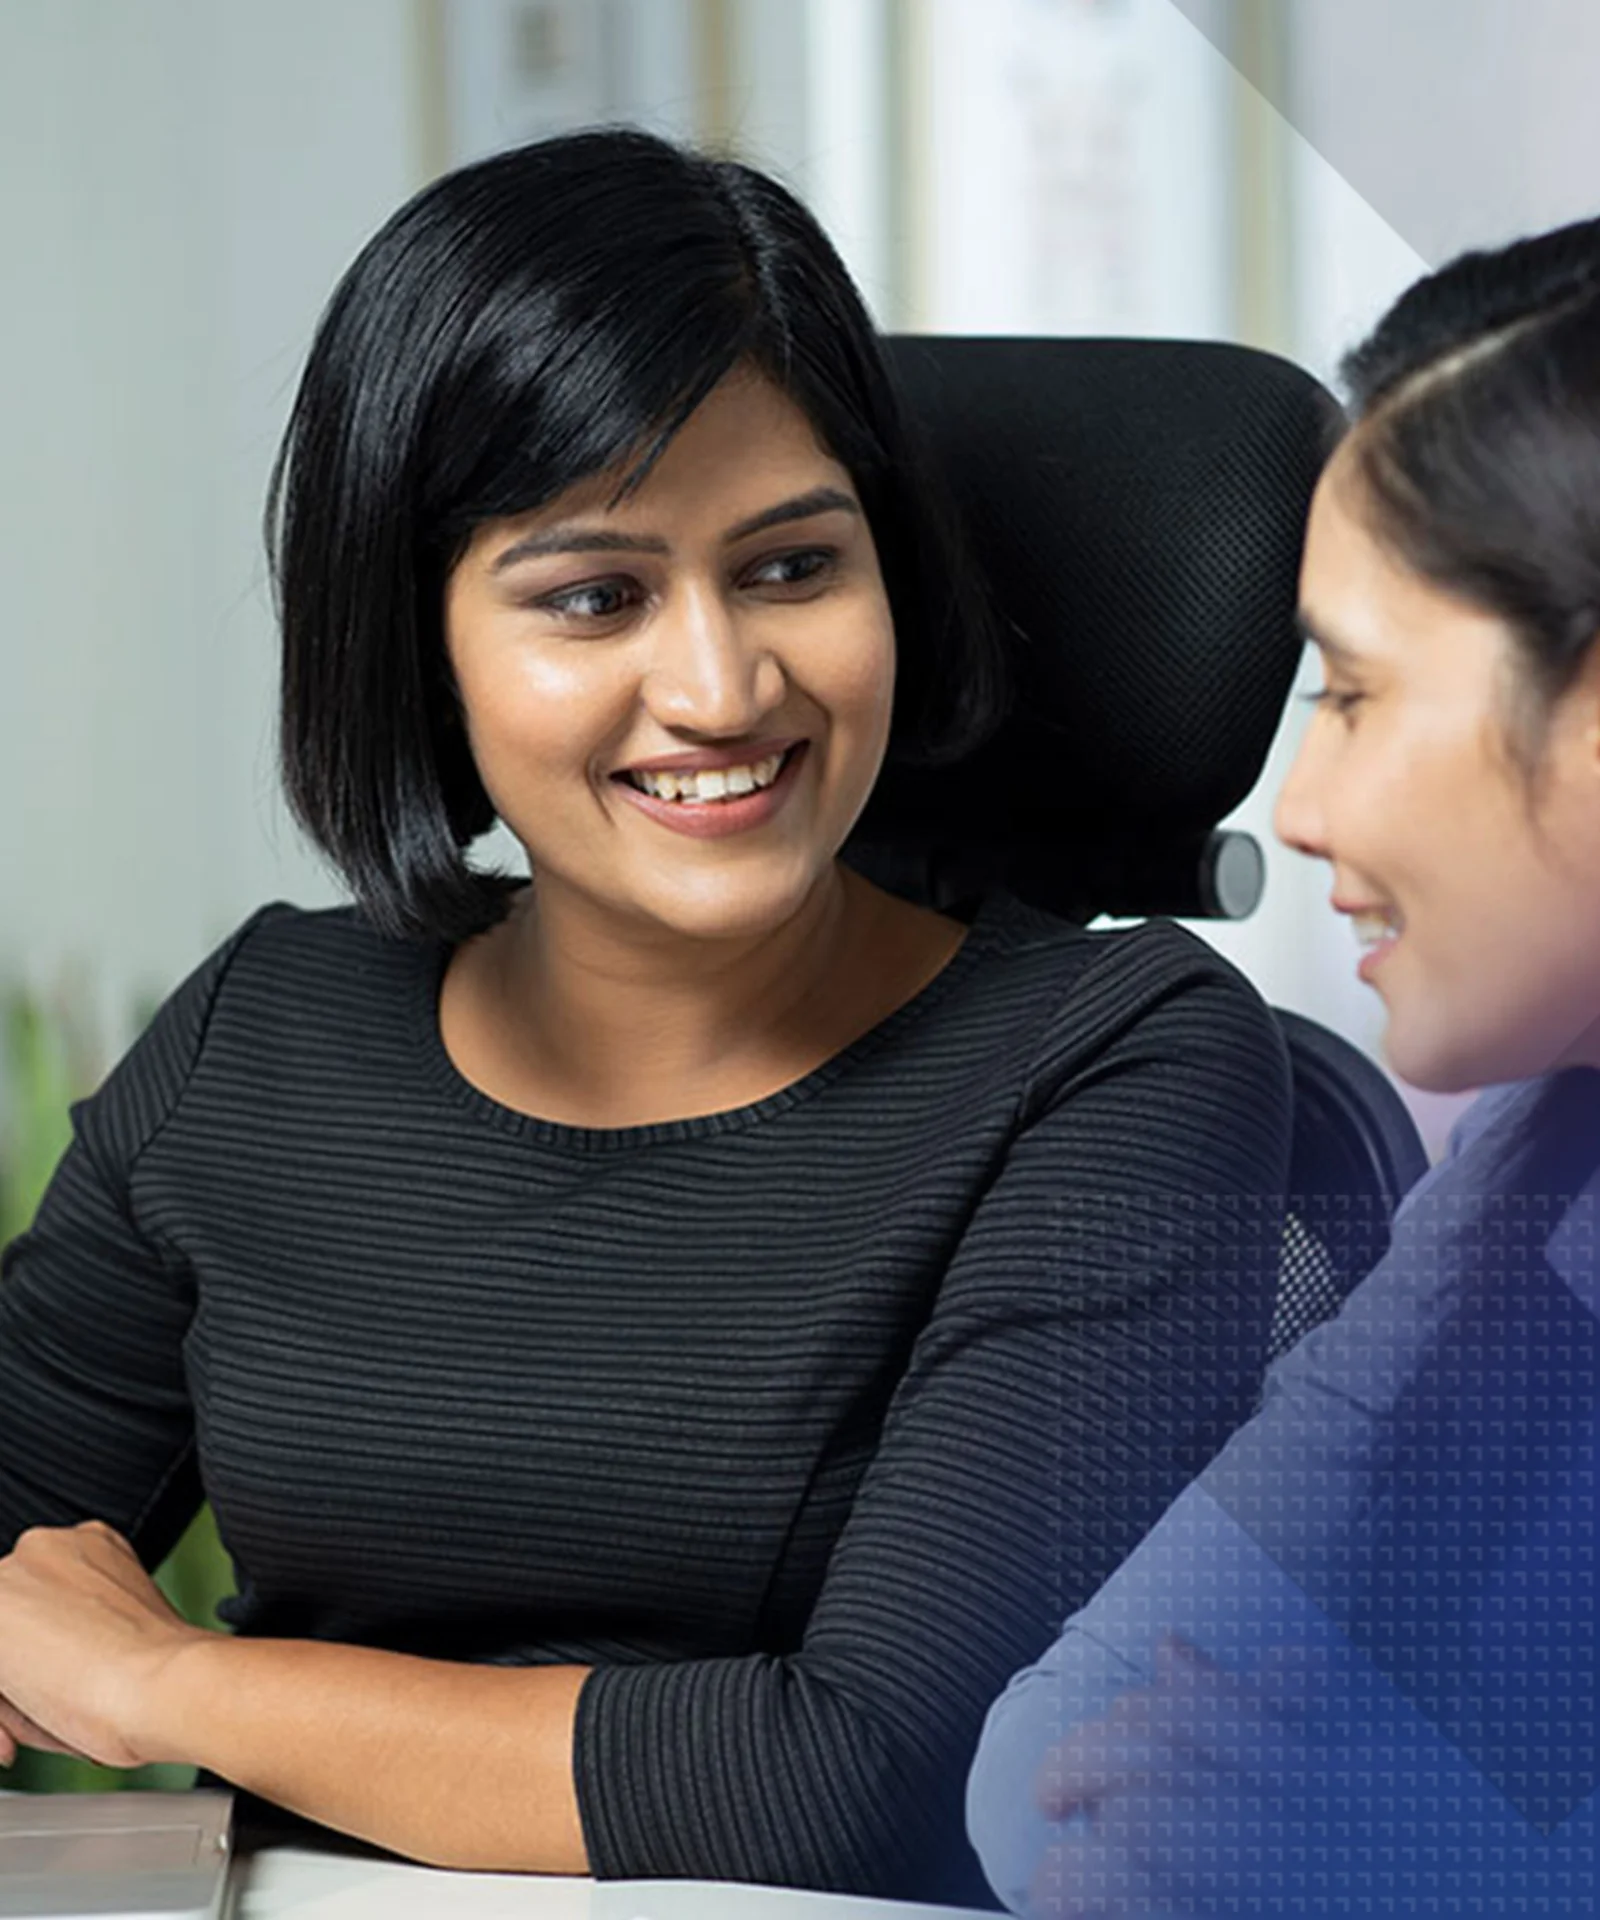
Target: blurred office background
[[181, 182]]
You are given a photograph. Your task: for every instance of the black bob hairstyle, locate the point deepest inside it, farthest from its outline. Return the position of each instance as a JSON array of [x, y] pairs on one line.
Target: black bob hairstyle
[[1477, 446], [524, 323]]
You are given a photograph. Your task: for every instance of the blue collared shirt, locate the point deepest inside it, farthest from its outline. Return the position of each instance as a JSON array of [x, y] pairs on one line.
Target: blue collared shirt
[[1416, 1503]]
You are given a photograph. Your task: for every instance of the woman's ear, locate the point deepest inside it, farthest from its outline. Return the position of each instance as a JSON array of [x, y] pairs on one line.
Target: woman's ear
[[1586, 691], [1556, 745]]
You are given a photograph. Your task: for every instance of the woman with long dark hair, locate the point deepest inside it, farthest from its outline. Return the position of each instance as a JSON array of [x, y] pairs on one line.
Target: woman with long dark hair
[[662, 1342], [1356, 1668]]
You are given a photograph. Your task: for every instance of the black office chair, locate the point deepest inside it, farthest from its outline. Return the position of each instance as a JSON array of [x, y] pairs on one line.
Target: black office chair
[[1139, 509], [1354, 1156]]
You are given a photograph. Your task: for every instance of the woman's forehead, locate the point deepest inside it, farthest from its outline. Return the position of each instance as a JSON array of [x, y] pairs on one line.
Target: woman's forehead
[[726, 485], [1350, 588], [1361, 601], [746, 437]]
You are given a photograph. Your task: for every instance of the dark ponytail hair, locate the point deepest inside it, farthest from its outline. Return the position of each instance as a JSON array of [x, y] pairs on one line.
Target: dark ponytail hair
[[544, 315], [1477, 445]]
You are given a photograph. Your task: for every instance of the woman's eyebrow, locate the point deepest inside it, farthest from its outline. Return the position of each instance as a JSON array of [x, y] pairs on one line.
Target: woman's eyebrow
[[576, 540], [1326, 645], [579, 539], [802, 507]]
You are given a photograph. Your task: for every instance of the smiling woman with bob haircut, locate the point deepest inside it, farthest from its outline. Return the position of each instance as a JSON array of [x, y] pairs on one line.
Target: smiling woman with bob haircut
[[662, 1342], [1356, 1668]]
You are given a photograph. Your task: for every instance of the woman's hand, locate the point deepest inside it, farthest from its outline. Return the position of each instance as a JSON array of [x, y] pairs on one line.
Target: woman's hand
[[85, 1642], [1189, 1794], [94, 1662]]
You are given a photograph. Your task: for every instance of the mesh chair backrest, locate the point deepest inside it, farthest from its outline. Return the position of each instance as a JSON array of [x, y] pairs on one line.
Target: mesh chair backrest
[[1138, 508], [1354, 1155]]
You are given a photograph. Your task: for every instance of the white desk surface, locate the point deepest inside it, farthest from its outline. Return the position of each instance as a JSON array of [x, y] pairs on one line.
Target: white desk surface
[[291, 1883]]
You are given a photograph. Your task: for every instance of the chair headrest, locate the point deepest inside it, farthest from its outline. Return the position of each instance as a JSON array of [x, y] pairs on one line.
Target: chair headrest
[[1139, 508]]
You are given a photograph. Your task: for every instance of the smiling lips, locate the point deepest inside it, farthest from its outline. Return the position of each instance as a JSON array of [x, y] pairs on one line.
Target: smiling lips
[[711, 783], [709, 795], [1378, 929]]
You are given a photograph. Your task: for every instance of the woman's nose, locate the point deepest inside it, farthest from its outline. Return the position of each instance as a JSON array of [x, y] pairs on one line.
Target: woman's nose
[[709, 673], [1297, 819]]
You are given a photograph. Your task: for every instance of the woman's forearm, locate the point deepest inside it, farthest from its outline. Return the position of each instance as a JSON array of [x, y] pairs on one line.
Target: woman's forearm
[[454, 1765]]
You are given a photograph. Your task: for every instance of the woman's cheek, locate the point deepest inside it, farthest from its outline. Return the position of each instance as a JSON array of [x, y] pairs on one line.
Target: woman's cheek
[[864, 670]]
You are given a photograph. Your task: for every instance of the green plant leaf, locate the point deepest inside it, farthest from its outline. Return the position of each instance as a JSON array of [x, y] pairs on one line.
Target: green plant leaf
[[47, 1063], [38, 1096]]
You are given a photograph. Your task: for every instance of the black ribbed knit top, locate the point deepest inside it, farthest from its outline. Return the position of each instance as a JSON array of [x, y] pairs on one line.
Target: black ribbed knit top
[[803, 1424]]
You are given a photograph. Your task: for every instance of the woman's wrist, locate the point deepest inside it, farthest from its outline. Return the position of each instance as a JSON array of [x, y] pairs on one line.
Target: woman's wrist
[[178, 1699]]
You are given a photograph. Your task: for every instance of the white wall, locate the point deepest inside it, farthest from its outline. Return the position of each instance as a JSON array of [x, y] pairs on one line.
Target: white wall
[[512, 71], [1462, 122], [1076, 171], [180, 183], [849, 155]]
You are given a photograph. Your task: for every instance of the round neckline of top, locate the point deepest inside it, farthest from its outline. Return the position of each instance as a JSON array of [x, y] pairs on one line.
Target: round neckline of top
[[996, 910]]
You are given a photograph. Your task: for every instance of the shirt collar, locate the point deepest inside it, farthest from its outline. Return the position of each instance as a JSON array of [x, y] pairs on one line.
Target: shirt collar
[[1573, 1249]]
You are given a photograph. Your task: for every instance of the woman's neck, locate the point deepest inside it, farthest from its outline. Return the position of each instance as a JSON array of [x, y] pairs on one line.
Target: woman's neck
[[575, 1015]]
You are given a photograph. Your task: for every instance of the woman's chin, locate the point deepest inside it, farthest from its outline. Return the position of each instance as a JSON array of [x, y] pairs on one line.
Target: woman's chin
[[1435, 1059], [1431, 1076], [735, 908]]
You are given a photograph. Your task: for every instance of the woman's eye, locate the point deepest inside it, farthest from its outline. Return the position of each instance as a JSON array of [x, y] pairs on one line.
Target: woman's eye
[[1341, 701], [595, 600], [803, 567]]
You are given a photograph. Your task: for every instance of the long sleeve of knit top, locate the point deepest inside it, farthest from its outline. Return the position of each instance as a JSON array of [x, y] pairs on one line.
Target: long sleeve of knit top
[[803, 1425]]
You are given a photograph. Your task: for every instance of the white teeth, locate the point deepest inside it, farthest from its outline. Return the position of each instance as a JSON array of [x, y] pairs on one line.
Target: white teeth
[[712, 784], [1372, 929]]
